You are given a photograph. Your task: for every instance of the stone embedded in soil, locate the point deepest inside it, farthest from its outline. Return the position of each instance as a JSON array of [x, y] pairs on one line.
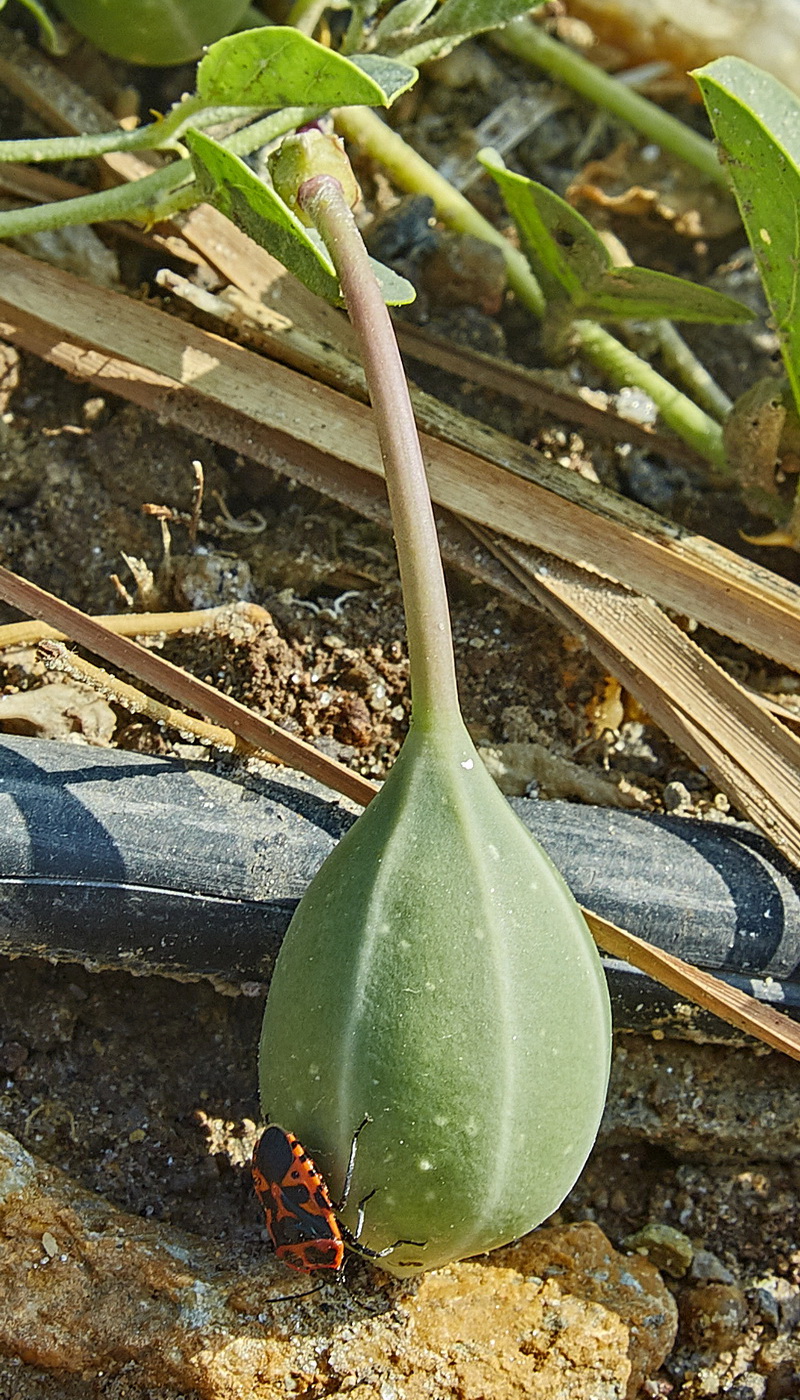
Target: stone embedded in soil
[[86, 1289], [694, 1098], [713, 1316], [668, 1248], [585, 1265]]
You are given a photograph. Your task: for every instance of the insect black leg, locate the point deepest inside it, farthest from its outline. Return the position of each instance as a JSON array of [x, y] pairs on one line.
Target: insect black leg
[[352, 1237], [356, 1234], [348, 1176]]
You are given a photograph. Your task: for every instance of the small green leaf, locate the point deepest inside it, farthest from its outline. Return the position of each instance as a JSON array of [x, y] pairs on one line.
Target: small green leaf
[[160, 32], [52, 41], [457, 20], [232, 187], [757, 122], [392, 76], [563, 247], [574, 264], [401, 22], [642, 294], [438, 976], [277, 66]]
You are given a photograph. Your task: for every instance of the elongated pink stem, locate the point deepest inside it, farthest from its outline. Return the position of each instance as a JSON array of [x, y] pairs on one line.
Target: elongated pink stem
[[430, 642]]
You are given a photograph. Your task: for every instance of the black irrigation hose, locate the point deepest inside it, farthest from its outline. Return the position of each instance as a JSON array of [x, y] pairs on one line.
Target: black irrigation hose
[[121, 860]]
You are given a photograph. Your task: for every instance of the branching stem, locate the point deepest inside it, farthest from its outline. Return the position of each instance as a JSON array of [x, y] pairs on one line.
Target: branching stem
[[155, 196]]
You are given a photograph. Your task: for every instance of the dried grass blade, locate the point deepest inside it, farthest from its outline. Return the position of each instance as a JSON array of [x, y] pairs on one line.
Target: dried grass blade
[[554, 512], [727, 732], [729, 1003], [186, 690]]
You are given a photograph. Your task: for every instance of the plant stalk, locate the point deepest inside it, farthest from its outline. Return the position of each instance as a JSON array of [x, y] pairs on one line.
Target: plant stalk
[[534, 45], [624, 366], [154, 197], [158, 135], [412, 172], [682, 362], [171, 188], [430, 644], [305, 15]]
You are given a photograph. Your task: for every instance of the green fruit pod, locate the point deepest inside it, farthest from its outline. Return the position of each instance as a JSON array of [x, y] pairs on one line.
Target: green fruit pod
[[438, 978], [158, 32]]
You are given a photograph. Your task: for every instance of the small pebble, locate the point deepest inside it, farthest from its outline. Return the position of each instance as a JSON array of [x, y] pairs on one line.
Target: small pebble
[[465, 271], [636, 406], [713, 1316], [778, 1302], [752, 1387], [707, 1268], [208, 579], [669, 1249], [677, 798]]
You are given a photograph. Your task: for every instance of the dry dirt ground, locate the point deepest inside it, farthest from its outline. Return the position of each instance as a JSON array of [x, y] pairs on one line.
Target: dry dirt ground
[[144, 1089]]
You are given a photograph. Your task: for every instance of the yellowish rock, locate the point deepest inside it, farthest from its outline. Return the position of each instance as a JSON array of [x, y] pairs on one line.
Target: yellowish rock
[[85, 1288]]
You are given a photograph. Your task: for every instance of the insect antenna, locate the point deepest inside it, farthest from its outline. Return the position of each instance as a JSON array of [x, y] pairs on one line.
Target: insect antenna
[[291, 1297]]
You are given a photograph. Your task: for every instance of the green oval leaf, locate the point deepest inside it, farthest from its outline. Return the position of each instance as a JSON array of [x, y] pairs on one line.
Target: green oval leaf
[[457, 20], [439, 977], [277, 66], [233, 188], [391, 76], [573, 262], [160, 32], [642, 293], [563, 247], [757, 122]]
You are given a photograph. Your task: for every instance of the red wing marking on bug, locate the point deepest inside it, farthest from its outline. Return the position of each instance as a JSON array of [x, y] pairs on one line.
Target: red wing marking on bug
[[301, 1218]]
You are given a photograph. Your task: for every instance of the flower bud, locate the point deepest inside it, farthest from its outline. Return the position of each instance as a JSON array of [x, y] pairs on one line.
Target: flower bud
[[306, 154]]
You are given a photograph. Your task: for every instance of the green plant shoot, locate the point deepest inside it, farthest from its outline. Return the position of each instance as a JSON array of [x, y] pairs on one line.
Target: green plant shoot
[[576, 270], [437, 977], [254, 206], [757, 123]]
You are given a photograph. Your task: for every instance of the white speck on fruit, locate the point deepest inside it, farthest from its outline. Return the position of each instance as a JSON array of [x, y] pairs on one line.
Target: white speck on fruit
[[468, 763], [425, 1165]]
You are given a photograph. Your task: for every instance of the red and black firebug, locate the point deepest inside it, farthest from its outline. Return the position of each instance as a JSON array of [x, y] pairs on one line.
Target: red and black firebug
[[300, 1216]]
